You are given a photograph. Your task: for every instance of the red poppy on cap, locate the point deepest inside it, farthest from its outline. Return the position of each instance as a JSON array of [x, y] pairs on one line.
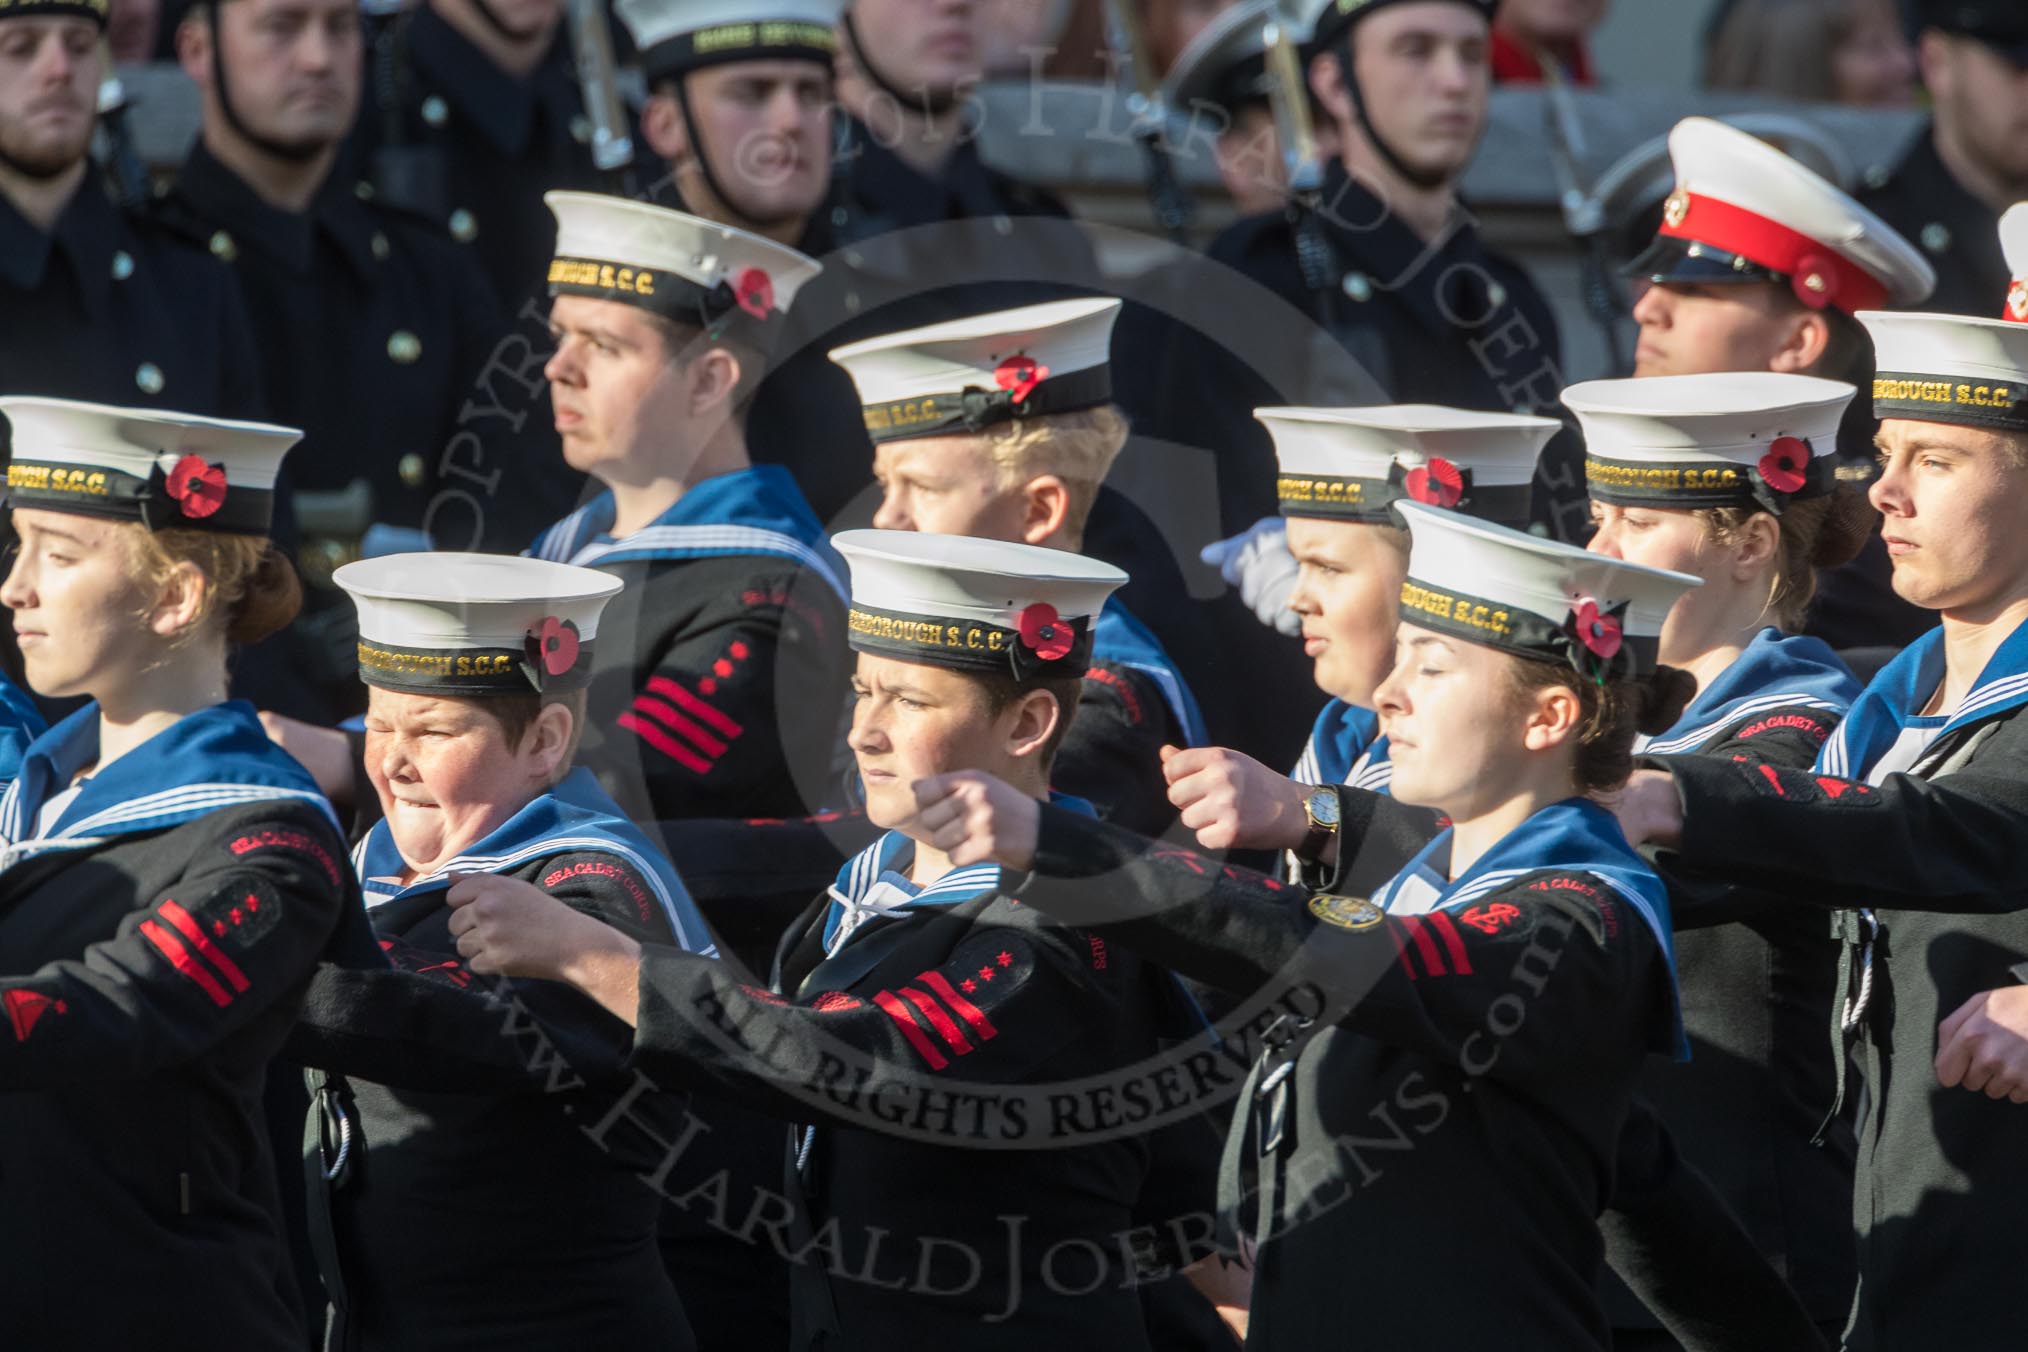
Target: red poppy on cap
[[1020, 374], [1044, 631], [557, 640], [197, 487], [1599, 633], [755, 292], [1786, 466], [1439, 483]]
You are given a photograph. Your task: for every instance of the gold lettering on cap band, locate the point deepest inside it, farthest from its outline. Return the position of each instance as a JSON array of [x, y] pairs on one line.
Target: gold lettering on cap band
[[971, 636], [397, 663], [1456, 609], [1320, 490], [774, 33], [57, 478], [625, 281], [1663, 478]]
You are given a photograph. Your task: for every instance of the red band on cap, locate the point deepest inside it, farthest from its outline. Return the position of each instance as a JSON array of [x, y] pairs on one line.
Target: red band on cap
[[1822, 276]]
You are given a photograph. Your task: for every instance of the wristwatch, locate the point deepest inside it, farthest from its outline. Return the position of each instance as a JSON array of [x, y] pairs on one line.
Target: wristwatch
[[1322, 813]]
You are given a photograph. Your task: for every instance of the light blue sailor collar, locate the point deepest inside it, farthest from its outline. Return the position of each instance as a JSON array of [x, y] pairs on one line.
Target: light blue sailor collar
[[215, 758], [1346, 747], [1576, 835], [757, 510], [874, 883], [1121, 639], [1775, 671], [1894, 700], [575, 817]]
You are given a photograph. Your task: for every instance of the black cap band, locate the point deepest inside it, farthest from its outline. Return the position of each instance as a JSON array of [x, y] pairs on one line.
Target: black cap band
[[1339, 497], [471, 671], [1046, 645], [1690, 485], [758, 40], [94, 10], [193, 495], [1523, 633], [1340, 15], [971, 410], [2001, 406]]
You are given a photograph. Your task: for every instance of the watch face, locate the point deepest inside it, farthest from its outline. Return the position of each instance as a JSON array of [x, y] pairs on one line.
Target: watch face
[[1324, 807]]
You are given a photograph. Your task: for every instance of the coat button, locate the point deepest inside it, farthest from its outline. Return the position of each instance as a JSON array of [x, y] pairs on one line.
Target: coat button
[[1936, 237], [1358, 286], [1877, 175], [404, 347], [464, 226], [222, 246], [123, 265], [380, 248], [581, 129], [435, 111], [411, 469], [363, 190], [149, 377]]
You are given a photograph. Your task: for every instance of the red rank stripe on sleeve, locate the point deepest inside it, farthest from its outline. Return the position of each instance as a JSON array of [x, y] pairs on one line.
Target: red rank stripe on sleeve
[[910, 1029], [919, 1015], [671, 710], [1431, 937]]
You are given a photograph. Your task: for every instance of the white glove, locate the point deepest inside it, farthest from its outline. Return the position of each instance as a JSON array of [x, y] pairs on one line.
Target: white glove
[[1258, 562]]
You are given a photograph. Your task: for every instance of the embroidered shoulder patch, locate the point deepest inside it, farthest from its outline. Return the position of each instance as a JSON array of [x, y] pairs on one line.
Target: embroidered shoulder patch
[[1348, 913], [297, 842], [25, 1009]]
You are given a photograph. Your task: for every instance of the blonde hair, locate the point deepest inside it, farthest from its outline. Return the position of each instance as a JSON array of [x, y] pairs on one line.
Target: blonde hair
[[1078, 448], [246, 579]]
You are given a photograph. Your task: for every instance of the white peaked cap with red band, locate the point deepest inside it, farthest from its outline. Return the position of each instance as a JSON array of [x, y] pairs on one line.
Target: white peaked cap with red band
[[2014, 242], [450, 603], [600, 229], [1739, 195], [1044, 342]]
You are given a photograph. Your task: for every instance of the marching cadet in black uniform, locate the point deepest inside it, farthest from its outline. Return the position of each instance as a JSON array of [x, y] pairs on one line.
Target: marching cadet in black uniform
[[468, 1207], [476, 112], [170, 881], [347, 295], [1002, 427], [1732, 478], [740, 107], [1761, 265], [1971, 162], [725, 652], [1341, 473], [1443, 1114], [914, 988], [1913, 817], [99, 305]]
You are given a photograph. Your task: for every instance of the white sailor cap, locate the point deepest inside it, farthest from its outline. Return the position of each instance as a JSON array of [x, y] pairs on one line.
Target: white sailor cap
[[679, 266], [1535, 598], [1353, 464], [675, 37], [2014, 243], [1744, 211], [165, 470], [1225, 65], [1756, 439], [1950, 369], [974, 605], [966, 374], [475, 624]]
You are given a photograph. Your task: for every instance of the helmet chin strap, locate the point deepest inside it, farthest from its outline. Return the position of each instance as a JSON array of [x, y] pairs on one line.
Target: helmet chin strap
[[290, 152], [703, 158], [929, 102], [1425, 179]]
